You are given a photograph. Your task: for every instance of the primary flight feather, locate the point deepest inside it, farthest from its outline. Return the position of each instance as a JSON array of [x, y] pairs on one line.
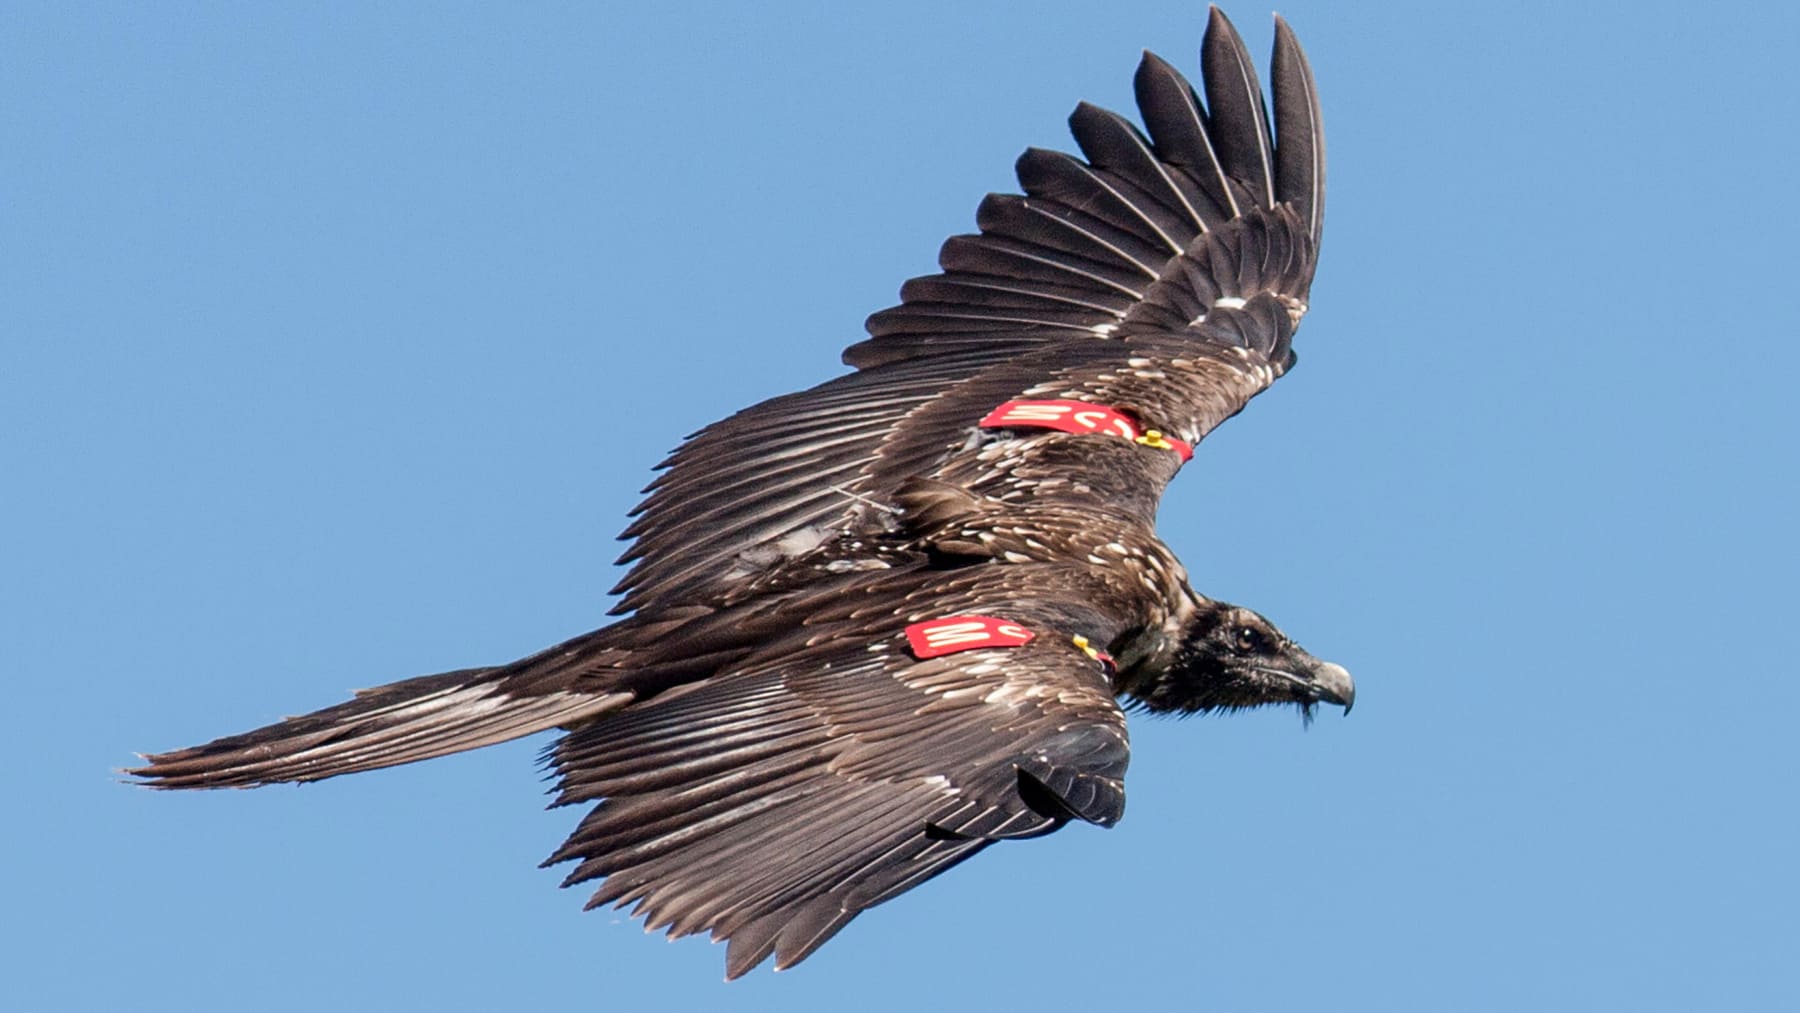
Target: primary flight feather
[[878, 625]]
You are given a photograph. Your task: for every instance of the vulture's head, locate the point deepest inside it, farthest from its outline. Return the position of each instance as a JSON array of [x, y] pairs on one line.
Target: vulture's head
[[1230, 658]]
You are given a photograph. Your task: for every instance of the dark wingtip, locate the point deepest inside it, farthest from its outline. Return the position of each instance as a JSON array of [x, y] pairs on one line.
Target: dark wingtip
[[741, 960], [1217, 21], [139, 776], [1299, 134]]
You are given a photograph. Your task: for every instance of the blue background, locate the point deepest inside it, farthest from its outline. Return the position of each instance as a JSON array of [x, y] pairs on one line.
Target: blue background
[[337, 340]]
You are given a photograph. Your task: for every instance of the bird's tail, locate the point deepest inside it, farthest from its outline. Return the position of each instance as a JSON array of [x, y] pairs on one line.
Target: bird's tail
[[417, 719]]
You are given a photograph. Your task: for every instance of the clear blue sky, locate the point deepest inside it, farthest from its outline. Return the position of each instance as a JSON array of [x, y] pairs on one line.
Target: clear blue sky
[[337, 342]]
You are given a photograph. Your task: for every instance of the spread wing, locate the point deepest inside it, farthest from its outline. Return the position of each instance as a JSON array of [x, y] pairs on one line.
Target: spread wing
[[1148, 233], [1161, 274], [773, 803]]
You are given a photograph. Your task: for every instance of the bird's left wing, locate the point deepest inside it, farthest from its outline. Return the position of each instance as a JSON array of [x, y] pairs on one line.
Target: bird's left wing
[[773, 803], [1146, 291]]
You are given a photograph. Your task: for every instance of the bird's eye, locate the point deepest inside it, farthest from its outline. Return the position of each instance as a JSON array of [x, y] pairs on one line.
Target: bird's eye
[[1248, 639]]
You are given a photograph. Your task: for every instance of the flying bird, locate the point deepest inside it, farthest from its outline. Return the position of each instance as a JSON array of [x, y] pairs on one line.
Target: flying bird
[[874, 627]]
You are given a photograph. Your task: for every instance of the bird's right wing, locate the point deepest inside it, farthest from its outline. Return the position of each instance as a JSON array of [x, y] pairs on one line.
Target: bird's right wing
[[770, 804], [1161, 276]]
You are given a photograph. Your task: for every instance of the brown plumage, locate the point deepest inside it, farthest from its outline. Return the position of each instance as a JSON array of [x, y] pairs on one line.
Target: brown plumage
[[880, 624]]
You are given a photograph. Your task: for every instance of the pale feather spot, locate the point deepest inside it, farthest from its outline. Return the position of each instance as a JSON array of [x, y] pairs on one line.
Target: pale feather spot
[[1011, 692], [1295, 308]]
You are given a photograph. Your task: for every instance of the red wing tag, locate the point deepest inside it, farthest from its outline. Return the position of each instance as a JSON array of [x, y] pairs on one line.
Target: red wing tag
[[1062, 416], [1079, 417], [963, 633]]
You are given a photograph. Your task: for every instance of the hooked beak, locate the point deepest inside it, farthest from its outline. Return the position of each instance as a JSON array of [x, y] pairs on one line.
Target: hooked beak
[[1334, 685], [1314, 681]]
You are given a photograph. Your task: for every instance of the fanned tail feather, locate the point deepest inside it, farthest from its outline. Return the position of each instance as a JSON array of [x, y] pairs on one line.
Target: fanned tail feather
[[416, 719]]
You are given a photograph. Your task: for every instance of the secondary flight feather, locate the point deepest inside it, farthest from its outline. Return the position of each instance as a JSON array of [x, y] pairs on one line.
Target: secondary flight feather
[[877, 626]]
